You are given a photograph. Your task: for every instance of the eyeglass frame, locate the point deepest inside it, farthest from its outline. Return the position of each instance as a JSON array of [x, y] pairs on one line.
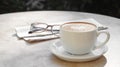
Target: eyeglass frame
[[33, 28]]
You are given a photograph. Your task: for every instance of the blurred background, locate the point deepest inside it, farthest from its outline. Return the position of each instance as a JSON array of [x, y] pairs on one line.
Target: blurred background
[[105, 7]]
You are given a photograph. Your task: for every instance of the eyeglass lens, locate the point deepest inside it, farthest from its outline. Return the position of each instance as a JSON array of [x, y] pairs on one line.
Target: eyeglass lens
[[55, 29]]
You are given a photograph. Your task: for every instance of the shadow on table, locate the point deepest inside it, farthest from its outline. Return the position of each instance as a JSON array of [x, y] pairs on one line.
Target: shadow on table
[[100, 62]]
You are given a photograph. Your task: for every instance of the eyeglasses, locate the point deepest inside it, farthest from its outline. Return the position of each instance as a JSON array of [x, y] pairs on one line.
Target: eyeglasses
[[42, 27]]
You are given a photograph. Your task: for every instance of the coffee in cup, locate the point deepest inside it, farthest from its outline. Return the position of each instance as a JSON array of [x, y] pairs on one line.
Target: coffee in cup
[[79, 27]]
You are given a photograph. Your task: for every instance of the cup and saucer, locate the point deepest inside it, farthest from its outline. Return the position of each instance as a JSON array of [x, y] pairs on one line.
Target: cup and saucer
[[77, 40], [58, 50]]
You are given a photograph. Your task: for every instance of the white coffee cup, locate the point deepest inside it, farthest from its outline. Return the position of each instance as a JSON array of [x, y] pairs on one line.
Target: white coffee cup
[[80, 37]]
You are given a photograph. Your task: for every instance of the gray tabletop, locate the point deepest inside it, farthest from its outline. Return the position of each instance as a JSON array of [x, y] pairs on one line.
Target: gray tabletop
[[18, 53]]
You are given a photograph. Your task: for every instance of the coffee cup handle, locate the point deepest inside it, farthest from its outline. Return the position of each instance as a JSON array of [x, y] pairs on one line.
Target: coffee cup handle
[[107, 39]]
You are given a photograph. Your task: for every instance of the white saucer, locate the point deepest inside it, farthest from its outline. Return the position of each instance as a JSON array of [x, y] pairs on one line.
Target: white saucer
[[59, 51]]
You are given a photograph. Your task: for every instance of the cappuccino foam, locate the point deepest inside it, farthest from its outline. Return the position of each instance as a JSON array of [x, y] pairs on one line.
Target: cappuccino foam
[[79, 27]]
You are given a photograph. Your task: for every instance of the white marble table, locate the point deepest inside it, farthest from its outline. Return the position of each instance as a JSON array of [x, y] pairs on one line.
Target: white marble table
[[18, 53]]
